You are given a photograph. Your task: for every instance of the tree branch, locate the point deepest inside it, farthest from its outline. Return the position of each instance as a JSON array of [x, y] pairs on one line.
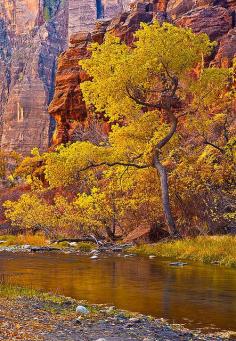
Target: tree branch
[[214, 146], [166, 139], [143, 103], [111, 164]]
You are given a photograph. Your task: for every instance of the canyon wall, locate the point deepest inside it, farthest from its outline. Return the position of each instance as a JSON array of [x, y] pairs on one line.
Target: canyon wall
[[73, 120], [29, 45], [32, 35]]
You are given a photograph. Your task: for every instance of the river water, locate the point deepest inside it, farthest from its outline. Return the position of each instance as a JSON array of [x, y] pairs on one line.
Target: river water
[[200, 296]]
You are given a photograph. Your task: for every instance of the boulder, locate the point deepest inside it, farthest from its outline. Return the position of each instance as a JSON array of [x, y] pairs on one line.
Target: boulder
[[80, 309]]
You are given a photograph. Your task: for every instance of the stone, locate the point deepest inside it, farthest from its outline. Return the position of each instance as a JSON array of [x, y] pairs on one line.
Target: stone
[[178, 264], [227, 49], [26, 247], [73, 244], [94, 257], [110, 310], [78, 320], [80, 309], [212, 20], [94, 251], [152, 256]]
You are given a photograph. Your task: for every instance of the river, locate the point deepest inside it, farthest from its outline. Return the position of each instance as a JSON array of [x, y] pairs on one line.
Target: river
[[197, 295]]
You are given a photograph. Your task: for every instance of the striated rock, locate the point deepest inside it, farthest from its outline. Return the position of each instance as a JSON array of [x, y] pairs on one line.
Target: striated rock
[[215, 21], [73, 119], [30, 47], [83, 14], [227, 49], [68, 106], [20, 15]]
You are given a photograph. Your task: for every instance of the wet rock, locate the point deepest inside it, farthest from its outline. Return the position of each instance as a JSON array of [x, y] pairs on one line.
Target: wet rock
[[26, 247], [117, 249], [94, 251], [43, 249], [178, 264], [94, 257]]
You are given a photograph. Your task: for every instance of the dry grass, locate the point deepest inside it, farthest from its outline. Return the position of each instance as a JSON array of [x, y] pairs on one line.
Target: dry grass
[[207, 249], [25, 239]]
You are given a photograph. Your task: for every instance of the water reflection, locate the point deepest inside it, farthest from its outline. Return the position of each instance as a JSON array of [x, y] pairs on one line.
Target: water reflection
[[197, 295]]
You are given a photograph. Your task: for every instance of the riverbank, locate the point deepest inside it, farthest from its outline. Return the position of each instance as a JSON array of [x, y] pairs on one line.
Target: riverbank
[[30, 315], [206, 249], [219, 250]]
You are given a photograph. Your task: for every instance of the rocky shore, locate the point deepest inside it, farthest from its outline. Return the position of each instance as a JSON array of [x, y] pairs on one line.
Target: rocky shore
[[53, 318], [73, 247]]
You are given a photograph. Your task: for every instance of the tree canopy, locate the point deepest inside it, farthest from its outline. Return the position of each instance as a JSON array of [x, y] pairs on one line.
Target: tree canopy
[[171, 140]]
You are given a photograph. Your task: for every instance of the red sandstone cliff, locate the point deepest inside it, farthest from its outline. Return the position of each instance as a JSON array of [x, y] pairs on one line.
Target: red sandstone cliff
[[32, 35], [216, 18]]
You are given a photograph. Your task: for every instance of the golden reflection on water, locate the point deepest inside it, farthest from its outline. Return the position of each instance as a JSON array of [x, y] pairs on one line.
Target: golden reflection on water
[[197, 295]]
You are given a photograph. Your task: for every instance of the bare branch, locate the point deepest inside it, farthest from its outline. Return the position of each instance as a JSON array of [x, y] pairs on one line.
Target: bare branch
[[141, 102], [214, 146], [111, 164], [172, 131]]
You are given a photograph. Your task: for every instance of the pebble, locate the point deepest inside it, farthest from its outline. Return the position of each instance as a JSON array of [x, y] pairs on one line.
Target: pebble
[[26, 247], [94, 257], [135, 319], [110, 310], [152, 256], [78, 320], [94, 251], [82, 310]]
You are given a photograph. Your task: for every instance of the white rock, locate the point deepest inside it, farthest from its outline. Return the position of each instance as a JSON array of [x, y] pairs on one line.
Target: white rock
[[94, 257], [82, 310], [26, 247], [73, 244], [152, 256]]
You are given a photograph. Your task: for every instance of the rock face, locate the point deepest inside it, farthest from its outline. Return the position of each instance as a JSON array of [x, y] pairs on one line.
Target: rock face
[[29, 46], [32, 35], [83, 14], [73, 119], [34, 32]]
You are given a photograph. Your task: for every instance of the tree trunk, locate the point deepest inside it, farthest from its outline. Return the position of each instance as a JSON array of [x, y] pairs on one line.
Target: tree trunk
[[165, 196]]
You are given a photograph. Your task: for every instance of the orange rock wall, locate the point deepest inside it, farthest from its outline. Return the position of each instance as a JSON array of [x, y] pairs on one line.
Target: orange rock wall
[[68, 108]]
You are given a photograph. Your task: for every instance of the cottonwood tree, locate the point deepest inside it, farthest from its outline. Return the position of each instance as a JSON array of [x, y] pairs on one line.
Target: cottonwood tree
[[148, 90], [171, 118]]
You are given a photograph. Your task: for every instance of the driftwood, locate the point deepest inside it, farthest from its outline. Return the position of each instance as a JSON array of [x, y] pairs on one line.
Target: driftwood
[[90, 239]]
